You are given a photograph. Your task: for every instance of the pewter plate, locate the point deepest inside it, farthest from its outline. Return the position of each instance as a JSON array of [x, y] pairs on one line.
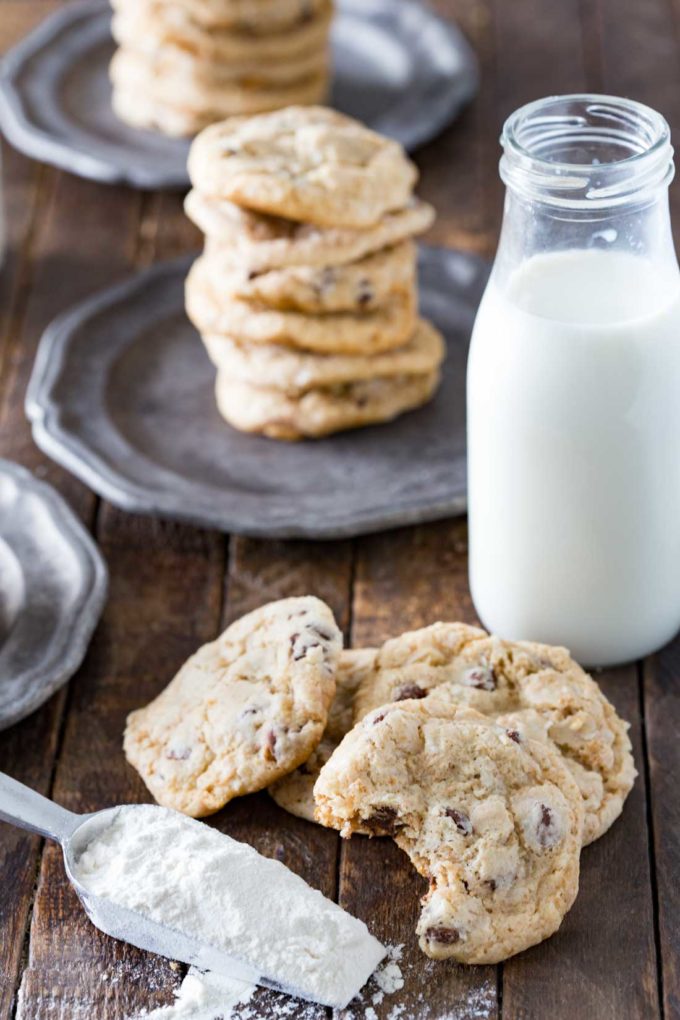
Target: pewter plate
[[398, 67], [52, 591], [122, 396]]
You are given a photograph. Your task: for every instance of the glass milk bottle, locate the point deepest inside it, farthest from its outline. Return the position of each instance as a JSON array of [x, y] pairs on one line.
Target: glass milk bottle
[[574, 387]]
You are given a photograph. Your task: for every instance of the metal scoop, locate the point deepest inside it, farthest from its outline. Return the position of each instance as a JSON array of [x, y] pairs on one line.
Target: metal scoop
[[25, 808]]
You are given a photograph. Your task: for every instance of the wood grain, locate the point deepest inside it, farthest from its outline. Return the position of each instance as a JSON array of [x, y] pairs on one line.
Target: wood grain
[[174, 587], [54, 258], [260, 572], [639, 53], [602, 962], [165, 600], [662, 716], [569, 975], [407, 579]]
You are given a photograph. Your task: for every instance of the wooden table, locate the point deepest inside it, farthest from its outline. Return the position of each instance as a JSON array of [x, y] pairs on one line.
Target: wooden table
[[173, 587]]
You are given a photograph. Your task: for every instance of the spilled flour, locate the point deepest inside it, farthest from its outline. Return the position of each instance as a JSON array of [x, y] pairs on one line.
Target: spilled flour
[[206, 996], [203, 997]]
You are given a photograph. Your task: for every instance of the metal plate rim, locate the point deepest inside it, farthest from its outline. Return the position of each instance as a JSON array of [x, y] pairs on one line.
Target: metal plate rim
[[72, 453], [66, 651], [37, 143]]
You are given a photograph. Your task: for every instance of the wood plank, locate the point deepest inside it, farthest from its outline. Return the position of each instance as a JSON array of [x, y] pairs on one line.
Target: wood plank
[[73, 256], [570, 974], [165, 600], [602, 962], [27, 752], [407, 578], [404, 580], [662, 715], [260, 572], [649, 71], [641, 59], [54, 258], [458, 167]]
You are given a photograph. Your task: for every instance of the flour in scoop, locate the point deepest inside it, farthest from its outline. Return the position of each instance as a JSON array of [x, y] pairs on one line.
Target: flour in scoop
[[182, 874]]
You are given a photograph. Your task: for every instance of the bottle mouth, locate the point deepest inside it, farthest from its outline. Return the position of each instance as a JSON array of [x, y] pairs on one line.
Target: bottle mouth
[[586, 151]]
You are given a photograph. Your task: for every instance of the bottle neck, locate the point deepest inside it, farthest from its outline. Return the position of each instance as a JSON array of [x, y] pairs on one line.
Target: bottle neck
[[533, 228]]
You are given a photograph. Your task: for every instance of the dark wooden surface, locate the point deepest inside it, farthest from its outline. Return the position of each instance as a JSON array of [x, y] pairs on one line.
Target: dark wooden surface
[[172, 587]]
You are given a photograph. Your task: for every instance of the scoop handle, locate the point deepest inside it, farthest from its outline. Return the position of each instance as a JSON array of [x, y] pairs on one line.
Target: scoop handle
[[19, 805]]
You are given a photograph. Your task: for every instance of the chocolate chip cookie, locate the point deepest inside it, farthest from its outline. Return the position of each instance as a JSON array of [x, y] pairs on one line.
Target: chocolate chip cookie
[[151, 25], [296, 372], [310, 164], [295, 791], [361, 286], [213, 311], [538, 690], [243, 711], [493, 823], [253, 17], [260, 242], [320, 412]]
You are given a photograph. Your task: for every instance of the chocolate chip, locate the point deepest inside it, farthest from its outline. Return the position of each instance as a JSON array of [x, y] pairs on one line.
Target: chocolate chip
[[301, 645], [178, 755], [378, 718], [514, 735], [481, 677], [546, 829], [409, 691], [364, 293], [323, 634], [327, 280], [445, 936], [383, 822], [491, 884], [270, 746], [461, 820]]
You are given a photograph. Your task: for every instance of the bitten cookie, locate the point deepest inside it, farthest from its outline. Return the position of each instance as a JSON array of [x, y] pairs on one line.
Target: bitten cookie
[[243, 711], [295, 791], [262, 242], [536, 689], [494, 823], [305, 163]]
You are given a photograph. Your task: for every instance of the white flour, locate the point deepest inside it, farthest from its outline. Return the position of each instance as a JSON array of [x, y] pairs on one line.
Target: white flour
[[183, 874], [203, 997]]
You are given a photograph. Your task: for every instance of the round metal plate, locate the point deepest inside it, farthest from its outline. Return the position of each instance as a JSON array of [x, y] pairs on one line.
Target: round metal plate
[[397, 66], [52, 591], [122, 396]]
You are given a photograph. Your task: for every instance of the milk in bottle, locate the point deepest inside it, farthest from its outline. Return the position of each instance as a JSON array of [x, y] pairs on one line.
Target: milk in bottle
[[574, 388]]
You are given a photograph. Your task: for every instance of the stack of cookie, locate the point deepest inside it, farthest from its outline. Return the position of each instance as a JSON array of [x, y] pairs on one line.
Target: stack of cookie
[[490, 763], [184, 64], [306, 294]]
